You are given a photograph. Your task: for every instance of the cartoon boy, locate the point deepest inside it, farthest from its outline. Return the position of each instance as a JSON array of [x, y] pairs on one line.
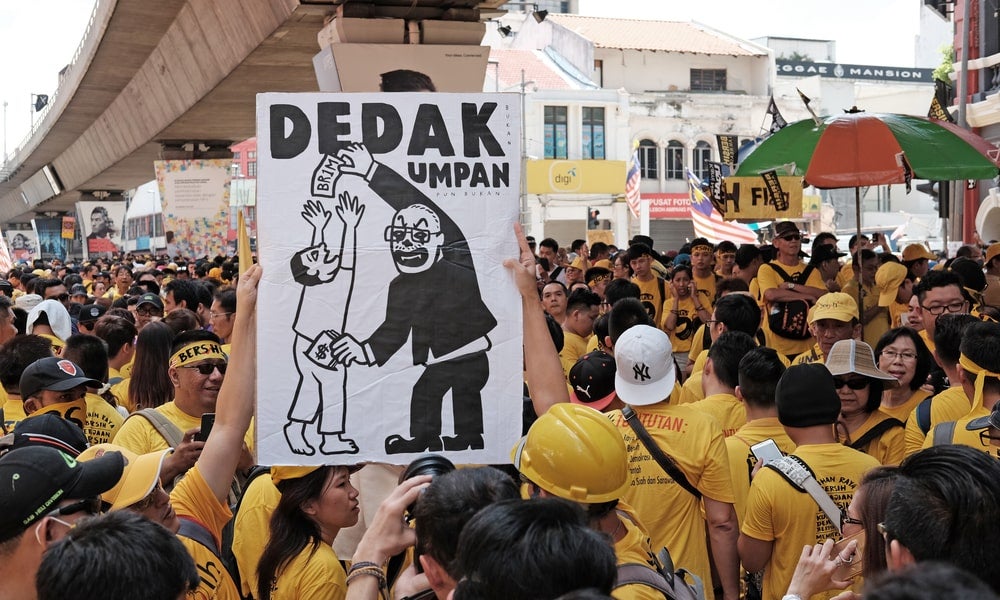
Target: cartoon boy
[[327, 281]]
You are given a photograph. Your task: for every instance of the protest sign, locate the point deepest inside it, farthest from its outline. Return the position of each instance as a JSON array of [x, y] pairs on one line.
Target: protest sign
[[101, 224], [387, 325], [749, 198]]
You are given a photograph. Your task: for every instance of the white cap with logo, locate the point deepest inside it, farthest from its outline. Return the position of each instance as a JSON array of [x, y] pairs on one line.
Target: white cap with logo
[[645, 366]]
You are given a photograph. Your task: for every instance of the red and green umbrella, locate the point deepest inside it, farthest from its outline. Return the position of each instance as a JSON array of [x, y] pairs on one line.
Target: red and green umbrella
[[860, 149]]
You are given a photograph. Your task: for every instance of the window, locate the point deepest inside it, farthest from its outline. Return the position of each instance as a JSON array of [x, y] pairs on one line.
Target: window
[[647, 160], [252, 155], [236, 171], [236, 156], [702, 156], [708, 80], [675, 160], [593, 132], [252, 169], [555, 132]]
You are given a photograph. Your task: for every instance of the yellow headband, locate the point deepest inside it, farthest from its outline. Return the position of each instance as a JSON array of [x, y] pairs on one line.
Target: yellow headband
[[197, 351], [981, 375], [701, 247], [593, 282]]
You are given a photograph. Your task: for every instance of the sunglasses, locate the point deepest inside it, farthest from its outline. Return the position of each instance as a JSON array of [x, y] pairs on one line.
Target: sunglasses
[[91, 506], [794, 237], [209, 368], [853, 383]]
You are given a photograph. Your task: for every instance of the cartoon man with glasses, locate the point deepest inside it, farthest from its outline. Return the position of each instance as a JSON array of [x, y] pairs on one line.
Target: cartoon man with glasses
[[438, 301]]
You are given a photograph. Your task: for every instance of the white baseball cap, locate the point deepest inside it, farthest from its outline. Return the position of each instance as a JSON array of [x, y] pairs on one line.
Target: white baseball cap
[[645, 366]]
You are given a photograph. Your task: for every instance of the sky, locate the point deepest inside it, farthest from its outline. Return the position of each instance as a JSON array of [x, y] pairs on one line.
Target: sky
[[39, 37]]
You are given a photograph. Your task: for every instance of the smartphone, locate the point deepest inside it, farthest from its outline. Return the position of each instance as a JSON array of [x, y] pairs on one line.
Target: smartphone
[[766, 451], [207, 421], [853, 568]]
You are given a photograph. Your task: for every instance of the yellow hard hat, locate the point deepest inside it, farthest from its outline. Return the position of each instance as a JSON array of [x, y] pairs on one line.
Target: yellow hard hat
[[574, 452]]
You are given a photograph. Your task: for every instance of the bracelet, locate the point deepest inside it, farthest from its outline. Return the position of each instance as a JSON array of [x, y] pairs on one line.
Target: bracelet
[[361, 564], [375, 572]]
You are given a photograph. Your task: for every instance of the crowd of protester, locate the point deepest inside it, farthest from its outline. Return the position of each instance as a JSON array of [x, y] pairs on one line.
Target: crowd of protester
[[764, 421]]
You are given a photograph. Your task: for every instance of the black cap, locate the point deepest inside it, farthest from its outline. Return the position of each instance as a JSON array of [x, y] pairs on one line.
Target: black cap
[[34, 480], [746, 254], [785, 228], [824, 252], [50, 430], [55, 374], [806, 396], [91, 312], [78, 290], [150, 299]]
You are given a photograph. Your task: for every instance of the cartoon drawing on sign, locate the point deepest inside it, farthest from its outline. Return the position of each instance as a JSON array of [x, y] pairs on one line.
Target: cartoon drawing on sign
[[327, 279], [435, 297]]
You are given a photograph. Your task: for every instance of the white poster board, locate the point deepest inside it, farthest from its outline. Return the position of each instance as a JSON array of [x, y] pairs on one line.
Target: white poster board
[[387, 324]]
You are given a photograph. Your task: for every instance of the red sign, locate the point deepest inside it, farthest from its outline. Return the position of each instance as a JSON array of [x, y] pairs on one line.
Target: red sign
[[669, 206]]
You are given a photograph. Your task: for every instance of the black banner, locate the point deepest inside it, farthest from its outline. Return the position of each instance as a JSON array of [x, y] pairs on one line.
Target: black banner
[[774, 189], [727, 148], [778, 121], [716, 187]]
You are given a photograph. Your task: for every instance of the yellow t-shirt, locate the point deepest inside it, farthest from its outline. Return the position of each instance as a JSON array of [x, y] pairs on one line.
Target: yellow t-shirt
[[692, 391], [896, 310], [120, 392], [103, 420], [927, 339], [193, 499], [962, 436], [686, 325], [874, 329], [812, 355], [315, 574], [573, 348], [846, 274], [777, 512], [671, 515], [651, 298], [138, 434], [634, 548], [741, 460], [950, 405], [697, 344], [706, 290], [902, 412], [726, 409], [888, 448], [126, 370], [768, 279], [252, 529], [13, 411]]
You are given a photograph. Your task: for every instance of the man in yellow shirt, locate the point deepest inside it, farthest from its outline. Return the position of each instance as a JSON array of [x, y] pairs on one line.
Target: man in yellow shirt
[[653, 291], [702, 257], [56, 385], [733, 312], [720, 378], [952, 403], [979, 375], [834, 318], [916, 260], [874, 317], [781, 519], [582, 308], [673, 515], [90, 354], [895, 288], [759, 373], [197, 369], [776, 290]]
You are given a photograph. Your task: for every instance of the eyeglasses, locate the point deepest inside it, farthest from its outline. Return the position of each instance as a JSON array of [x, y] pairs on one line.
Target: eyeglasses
[[847, 520], [855, 383], [149, 312], [892, 355], [986, 438], [150, 498], [90, 506], [954, 307], [791, 238], [395, 233], [213, 315], [209, 368]]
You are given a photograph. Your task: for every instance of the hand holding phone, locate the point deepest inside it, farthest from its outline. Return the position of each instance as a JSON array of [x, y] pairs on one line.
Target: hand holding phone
[[766, 451], [207, 421]]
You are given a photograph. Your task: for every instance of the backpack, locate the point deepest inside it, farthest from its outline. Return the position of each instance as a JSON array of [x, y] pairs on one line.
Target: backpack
[[672, 584], [790, 319], [228, 558]]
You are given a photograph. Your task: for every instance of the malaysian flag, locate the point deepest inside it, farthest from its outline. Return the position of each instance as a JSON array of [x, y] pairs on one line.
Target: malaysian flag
[[6, 264], [709, 224], [632, 185]]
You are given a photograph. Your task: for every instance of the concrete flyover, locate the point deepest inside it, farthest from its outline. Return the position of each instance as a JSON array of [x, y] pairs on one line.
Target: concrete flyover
[[150, 75]]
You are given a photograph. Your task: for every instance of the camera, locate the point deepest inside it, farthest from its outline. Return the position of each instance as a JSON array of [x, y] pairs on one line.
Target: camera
[[428, 464]]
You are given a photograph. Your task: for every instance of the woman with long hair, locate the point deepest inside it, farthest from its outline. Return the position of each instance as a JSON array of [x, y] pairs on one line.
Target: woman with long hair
[[902, 354], [150, 385], [298, 561]]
